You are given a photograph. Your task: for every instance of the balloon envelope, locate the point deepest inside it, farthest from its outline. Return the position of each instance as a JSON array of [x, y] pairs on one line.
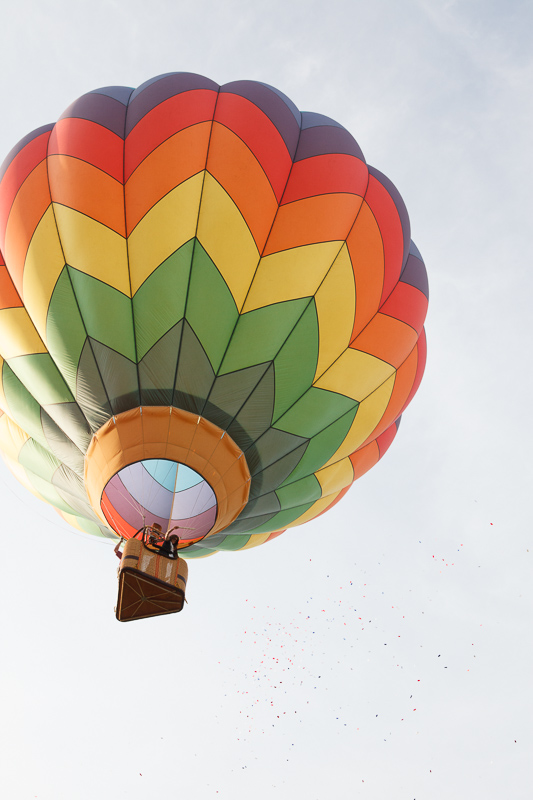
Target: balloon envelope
[[211, 312]]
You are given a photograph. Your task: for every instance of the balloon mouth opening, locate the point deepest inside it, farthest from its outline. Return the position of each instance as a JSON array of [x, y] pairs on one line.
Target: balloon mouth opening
[[164, 465], [160, 491]]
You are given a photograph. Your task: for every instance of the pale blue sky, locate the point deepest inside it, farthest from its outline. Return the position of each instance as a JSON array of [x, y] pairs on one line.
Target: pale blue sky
[[293, 671]]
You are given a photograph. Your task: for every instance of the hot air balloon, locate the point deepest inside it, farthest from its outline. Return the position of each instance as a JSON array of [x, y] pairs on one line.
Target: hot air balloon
[[211, 313]]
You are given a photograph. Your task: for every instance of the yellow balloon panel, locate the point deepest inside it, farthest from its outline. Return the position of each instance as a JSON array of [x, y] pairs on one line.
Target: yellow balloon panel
[[335, 305], [291, 274], [227, 239], [355, 374], [18, 335], [91, 247], [166, 227], [44, 262], [335, 477]]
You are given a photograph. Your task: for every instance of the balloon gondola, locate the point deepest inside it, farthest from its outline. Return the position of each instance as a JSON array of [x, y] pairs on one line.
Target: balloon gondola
[[211, 313], [151, 577]]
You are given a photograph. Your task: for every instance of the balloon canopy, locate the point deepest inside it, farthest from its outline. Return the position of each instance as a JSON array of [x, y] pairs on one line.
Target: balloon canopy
[[211, 312]]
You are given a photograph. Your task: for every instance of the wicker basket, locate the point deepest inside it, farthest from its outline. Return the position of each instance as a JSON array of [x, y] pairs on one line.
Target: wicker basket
[[149, 584]]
